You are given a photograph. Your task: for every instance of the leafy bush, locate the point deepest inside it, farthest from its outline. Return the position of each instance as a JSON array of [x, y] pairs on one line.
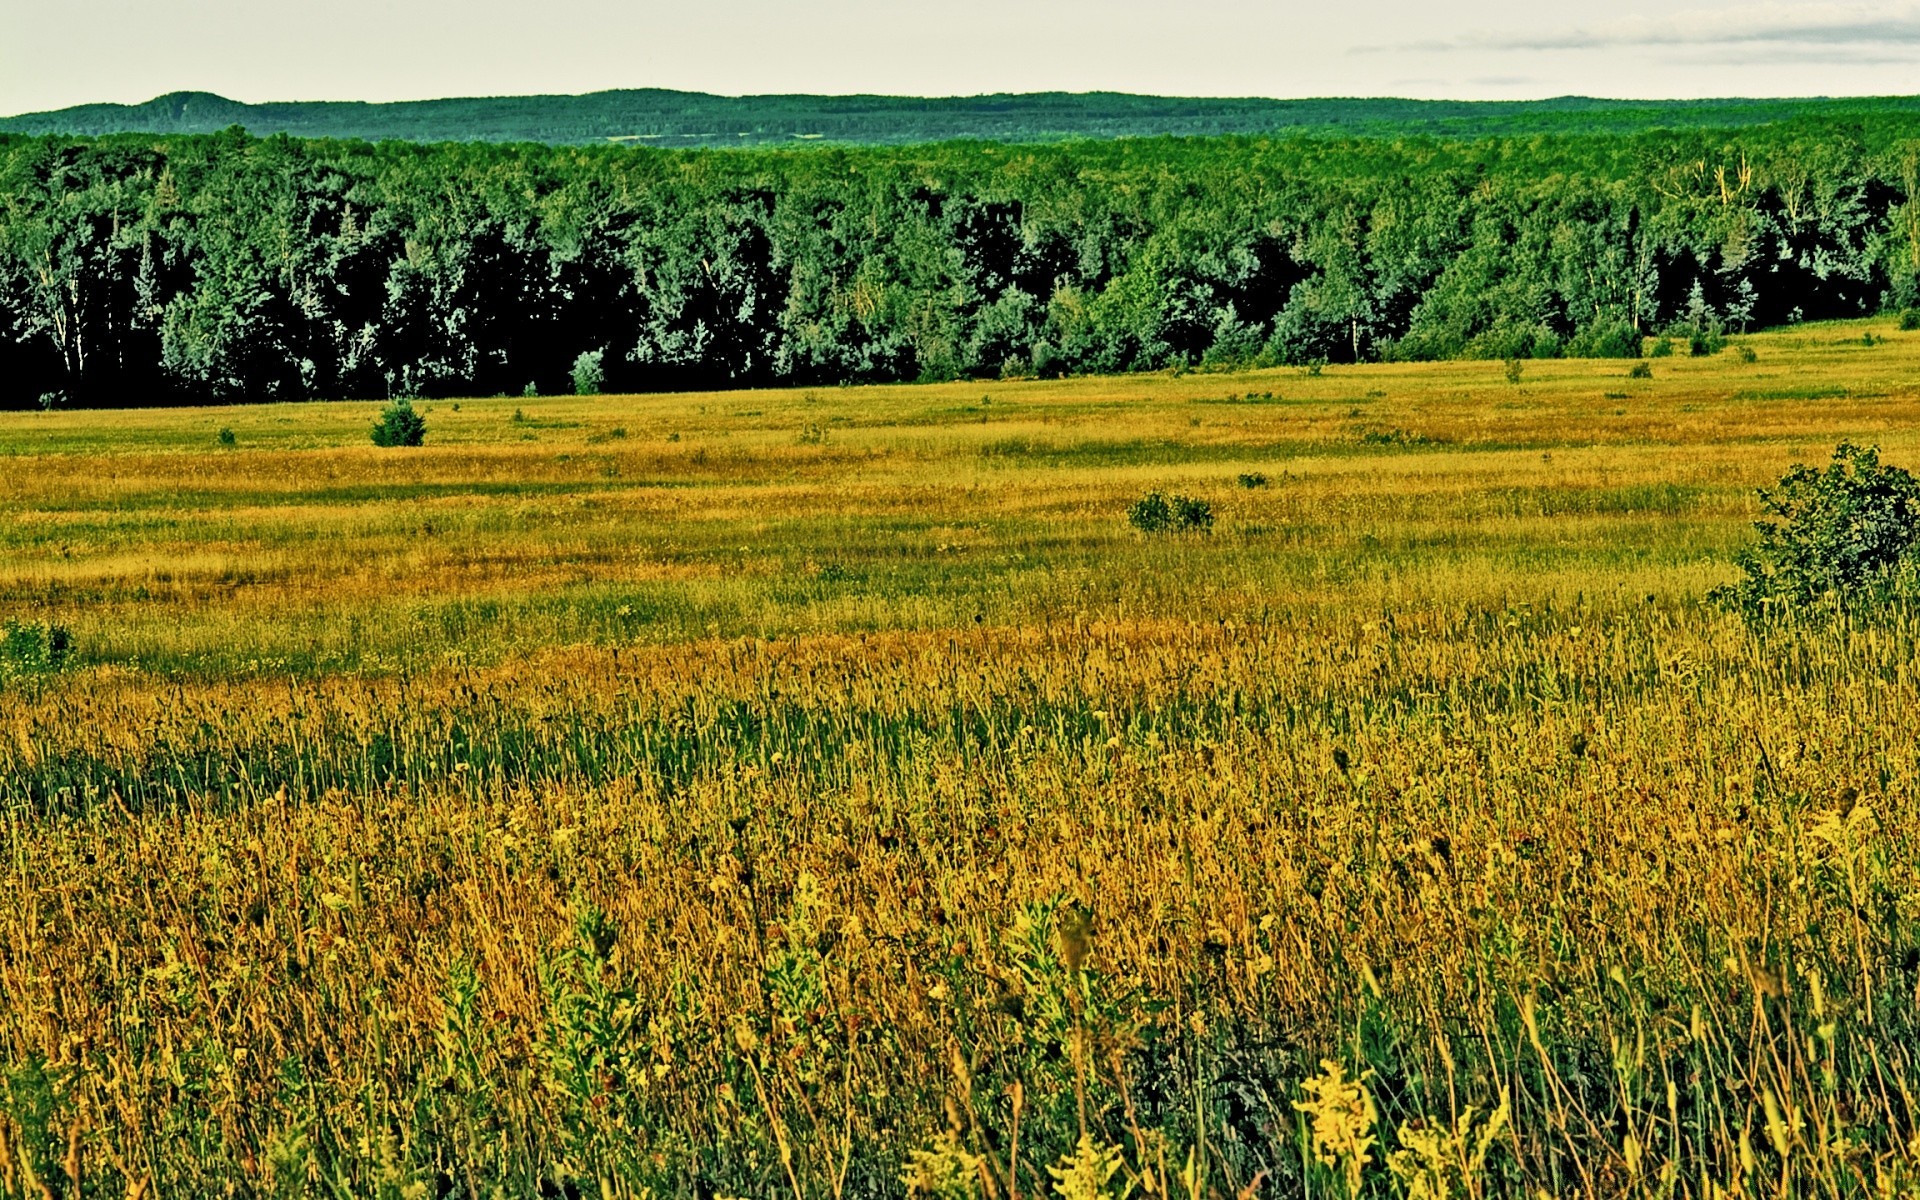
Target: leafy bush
[[226, 438], [589, 373], [1641, 370], [1662, 348], [1189, 513], [1910, 320], [399, 425], [1704, 343], [33, 648], [1159, 513], [1151, 513], [1253, 479], [1841, 538]]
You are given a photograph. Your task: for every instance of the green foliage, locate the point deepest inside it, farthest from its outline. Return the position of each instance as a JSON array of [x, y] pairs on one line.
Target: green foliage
[[1394, 437], [597, 1053], [589, 373], [1839, 539], [226, 438], [35, 1100], [220, 267], [400, 425], [33, 648], [1515, 371], [1157, 512], [1640, 370], [1910, 320], [1252, 479]]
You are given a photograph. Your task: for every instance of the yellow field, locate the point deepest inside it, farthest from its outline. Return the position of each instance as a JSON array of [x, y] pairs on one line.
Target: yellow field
[[830, 794]]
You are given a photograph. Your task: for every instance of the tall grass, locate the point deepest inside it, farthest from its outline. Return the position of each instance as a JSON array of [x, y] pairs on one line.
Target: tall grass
[[1420, 833]]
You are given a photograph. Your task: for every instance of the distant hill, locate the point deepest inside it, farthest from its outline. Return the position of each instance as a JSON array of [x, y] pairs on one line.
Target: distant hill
[[666, 118]]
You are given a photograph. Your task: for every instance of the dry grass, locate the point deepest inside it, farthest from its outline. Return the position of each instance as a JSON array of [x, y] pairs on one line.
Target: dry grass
[[841, 798]]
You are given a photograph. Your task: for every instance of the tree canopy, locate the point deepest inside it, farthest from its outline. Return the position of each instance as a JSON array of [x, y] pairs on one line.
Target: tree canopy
[[140, 269]]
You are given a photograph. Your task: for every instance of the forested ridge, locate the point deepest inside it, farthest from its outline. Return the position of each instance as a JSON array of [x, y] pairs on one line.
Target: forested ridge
[[141, 269], [660, 117]]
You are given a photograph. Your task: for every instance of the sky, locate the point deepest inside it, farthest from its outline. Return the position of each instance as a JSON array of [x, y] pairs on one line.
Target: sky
[[55, 53]]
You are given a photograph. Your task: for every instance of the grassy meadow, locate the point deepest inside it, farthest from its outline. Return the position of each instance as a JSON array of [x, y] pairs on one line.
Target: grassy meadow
[[829, 794]]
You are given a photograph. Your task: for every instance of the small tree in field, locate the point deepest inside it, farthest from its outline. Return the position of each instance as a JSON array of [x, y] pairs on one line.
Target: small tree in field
[[399, 425], [589, 373]]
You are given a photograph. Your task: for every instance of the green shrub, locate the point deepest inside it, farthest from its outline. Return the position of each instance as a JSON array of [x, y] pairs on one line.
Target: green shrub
[[1839, 539], [1910, 320], [1196, 515], [33, 648], [399, 425], [1156, 512], [1253, 479], [1662, 348], [1516, 370], [1641, 370], [1151, 513], [226, 438], [589, 373]]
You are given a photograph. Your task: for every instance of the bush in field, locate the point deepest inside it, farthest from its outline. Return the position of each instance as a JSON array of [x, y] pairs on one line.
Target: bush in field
[[400, 425], [1704, 343], [589, 373], [1839, 538], [33, 648], [1910, 320], [1156, 512]]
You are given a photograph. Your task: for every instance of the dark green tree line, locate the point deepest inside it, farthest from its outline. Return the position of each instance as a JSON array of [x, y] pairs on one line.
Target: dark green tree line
[[141, 270]]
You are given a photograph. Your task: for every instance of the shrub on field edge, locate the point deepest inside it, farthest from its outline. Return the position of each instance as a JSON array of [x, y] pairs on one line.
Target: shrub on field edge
[[399, 425], [589, 373], [1156, 512], [33, 648], [1910, 320], [1841, 538]]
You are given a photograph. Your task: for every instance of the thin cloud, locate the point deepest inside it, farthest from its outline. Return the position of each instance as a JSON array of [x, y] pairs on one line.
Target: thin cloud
[[1795, 33], [1748, 54]]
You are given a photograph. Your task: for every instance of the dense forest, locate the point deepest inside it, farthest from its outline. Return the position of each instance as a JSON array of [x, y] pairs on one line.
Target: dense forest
[[173, 269], [656, 117]]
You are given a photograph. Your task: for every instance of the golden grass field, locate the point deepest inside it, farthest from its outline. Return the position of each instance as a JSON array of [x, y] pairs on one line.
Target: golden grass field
[[828, 794]]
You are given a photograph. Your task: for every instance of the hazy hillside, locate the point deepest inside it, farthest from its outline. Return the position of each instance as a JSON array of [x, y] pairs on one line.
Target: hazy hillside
[[656, 117]]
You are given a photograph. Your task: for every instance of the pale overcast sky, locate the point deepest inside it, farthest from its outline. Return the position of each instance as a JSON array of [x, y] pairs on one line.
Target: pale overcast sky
[[59, 52]]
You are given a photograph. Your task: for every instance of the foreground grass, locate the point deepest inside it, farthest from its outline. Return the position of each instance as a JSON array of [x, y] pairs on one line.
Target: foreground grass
[[840, 798]]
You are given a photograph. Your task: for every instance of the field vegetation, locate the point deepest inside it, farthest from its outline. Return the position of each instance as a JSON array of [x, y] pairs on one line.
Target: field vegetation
[[833, 793]]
